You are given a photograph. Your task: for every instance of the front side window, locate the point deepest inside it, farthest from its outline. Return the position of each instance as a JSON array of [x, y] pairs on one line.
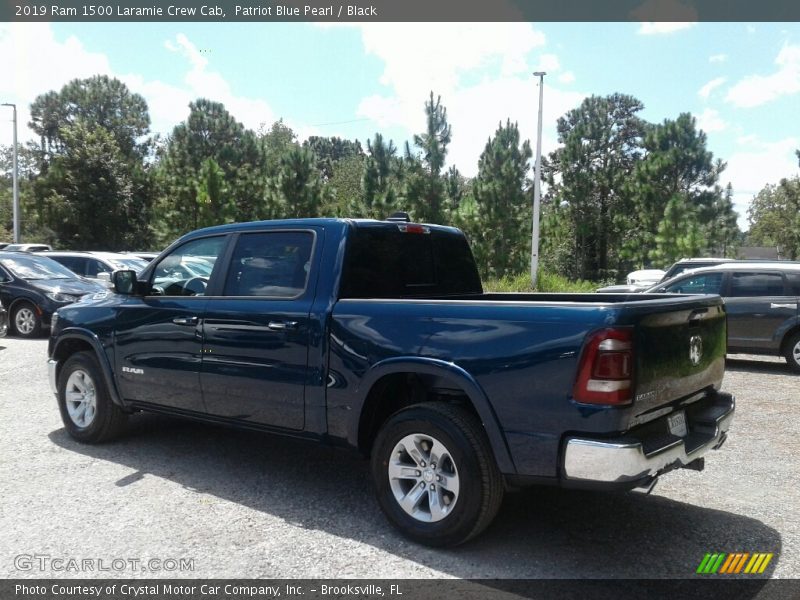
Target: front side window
[[270, 264], [186, 270], [708, 283], [756, 284]]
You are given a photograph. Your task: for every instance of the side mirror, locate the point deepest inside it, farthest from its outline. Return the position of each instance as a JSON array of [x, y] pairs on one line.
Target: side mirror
[[124, 282]]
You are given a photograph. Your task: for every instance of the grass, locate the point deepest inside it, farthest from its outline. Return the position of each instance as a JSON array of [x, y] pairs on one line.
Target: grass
[[548, 282]]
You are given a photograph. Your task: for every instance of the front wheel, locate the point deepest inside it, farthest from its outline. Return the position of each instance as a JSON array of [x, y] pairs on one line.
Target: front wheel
[[793, 352], [435, 474], [27, 323], [87, 410]]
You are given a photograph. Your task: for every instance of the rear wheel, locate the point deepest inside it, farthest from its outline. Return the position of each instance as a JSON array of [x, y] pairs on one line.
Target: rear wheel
[[793, 352], [435, 474], [27, 322], [87, 411]]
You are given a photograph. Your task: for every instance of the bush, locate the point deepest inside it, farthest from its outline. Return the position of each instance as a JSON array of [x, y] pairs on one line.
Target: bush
[[548, 282]]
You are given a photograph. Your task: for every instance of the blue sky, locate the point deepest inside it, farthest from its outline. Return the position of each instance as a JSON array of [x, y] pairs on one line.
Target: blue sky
[[741, 81]]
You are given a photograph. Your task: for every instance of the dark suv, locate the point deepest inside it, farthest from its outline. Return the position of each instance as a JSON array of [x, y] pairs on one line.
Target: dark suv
[[761, 300]]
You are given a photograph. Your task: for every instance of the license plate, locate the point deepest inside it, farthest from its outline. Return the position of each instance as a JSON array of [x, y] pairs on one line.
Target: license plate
[[677, 424]]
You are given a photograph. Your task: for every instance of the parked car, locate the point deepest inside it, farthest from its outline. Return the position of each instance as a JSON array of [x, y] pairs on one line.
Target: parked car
[[145, 256], [644, 276], [761, 300], [377, 335], [97, 266], [33, 287], [3, 321], [27, 248]]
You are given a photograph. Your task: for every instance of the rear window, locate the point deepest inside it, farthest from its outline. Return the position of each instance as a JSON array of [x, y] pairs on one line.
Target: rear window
[[385, 262], [756, 284]]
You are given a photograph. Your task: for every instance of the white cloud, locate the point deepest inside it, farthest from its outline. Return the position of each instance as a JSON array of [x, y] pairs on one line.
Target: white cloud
[[663, 27], [474, 107], [710, 121], [706, 90], [38, 63], [756, 90], [757, 164], [717, 58], [566, 77]]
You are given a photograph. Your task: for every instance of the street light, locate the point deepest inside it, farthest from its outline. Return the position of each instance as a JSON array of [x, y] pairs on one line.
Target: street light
[[14, 177], [537, 186]]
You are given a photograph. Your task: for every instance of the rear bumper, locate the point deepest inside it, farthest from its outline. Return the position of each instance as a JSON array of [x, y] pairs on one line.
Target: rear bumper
[[637, 457]]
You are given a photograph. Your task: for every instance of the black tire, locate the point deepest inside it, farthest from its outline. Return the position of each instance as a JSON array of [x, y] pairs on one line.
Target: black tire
[[792, 352], [26, 313], [480, 484], [108, 419]]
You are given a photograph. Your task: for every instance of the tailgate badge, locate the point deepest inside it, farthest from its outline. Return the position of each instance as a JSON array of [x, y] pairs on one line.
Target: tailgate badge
[[695, 349]]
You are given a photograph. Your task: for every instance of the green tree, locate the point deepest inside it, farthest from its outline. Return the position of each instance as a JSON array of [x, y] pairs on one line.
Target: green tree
[[297, 190], [346, 189], [98, 101], [722, 232], [211, 172], [678, 232], [774, 217], [330, 150], [501, 236], [89, 172], [425, 188], [676, 164], [382, 181], [98, 119], [588, 174]]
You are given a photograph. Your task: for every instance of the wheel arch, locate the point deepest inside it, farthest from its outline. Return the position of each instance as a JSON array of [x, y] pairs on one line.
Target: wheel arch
[[414, 375], [72, 341]]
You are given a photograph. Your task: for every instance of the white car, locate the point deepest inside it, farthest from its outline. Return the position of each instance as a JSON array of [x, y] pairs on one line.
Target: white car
[[644, 277]]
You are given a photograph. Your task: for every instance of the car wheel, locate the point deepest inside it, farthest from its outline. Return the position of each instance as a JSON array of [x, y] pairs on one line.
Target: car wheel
[[27, 323], [87, 411], [435, 474], [793, 352]]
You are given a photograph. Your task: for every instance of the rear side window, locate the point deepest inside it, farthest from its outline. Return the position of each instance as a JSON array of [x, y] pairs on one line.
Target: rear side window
[[95, 267], [756, 284], [385, 262], [794, 283], [76, 264], [270, 264]]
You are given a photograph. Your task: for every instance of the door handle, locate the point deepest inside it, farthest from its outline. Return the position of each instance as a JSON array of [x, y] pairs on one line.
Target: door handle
[[282, 325], [774, 305], [185, 320]]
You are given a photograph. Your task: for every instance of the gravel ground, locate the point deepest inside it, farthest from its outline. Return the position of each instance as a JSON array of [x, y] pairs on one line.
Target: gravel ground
[[247, 505]]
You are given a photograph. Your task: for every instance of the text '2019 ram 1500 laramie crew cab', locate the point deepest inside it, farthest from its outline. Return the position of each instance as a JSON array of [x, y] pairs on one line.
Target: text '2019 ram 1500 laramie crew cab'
[[377, 335]]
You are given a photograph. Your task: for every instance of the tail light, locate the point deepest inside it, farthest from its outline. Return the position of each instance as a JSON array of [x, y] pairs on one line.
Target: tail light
[[605, 372]]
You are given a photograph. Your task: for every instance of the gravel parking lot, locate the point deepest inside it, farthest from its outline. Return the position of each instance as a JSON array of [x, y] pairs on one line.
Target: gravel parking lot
[[249, 505]]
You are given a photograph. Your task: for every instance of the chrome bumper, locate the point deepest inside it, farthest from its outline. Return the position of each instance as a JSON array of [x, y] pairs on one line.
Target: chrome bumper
[[52, 367], [625, 460]]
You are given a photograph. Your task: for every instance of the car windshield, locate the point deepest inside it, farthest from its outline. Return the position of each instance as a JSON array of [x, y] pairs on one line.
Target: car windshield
[[134, 264], [30, 267]]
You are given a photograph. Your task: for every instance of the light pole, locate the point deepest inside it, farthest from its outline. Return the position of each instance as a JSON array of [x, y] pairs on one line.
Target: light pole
[[537, 186], [14, 177]]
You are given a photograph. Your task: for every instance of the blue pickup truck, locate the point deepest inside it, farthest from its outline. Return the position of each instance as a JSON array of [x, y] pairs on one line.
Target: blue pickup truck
[[377, 335]]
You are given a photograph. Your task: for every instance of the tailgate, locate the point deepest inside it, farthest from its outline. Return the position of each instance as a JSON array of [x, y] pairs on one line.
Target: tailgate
[[680, 351]]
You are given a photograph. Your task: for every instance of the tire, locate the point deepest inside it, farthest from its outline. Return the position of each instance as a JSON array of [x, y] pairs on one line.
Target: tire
[[447, 503], [87, 410], [792, 353], [25, 320]]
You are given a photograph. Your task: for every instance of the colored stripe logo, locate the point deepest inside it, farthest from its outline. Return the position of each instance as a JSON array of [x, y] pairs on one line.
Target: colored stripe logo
[[721, 563]]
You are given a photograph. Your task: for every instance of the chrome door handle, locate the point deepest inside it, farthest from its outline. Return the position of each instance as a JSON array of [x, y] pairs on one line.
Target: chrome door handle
[[282, 325], [792, 306], [185, 320]]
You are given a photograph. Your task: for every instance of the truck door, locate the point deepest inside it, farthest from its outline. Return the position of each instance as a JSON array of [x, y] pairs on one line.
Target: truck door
[[159, 336], [256, 334]]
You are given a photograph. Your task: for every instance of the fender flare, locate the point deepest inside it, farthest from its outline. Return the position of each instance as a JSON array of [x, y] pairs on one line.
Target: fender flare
[[84, 335], [459, 378]]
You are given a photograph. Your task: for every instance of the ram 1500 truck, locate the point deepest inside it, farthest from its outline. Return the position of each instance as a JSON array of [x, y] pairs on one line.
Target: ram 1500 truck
[[377, 335]]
